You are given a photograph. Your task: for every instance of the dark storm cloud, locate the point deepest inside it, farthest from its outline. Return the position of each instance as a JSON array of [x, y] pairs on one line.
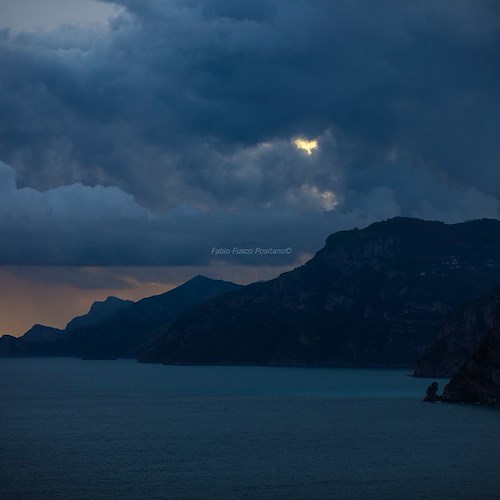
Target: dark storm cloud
[[82, 225], [420, 76], [190, 107], [79, 225]]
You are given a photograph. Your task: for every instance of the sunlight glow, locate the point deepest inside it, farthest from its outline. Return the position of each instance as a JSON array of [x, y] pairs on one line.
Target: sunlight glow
[[307, 145]]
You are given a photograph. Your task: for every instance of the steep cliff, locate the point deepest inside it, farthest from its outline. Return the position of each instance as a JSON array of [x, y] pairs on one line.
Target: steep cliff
[[459, 336], [478, 381]]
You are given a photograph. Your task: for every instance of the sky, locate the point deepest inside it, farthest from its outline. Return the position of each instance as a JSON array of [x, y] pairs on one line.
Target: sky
[[140, 140]]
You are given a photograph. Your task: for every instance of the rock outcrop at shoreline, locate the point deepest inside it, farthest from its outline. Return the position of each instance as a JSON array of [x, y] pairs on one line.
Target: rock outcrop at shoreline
[[432, 395]]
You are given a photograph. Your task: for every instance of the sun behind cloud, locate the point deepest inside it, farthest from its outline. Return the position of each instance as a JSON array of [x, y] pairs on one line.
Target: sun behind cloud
[[308, 145]]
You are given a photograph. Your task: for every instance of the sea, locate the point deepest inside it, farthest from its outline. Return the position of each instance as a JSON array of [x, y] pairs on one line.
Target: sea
[[74, 429]]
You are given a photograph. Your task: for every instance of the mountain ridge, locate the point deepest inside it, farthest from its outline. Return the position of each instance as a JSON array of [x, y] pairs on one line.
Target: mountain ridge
[[370, 297], [99, 310], [126, 329], [123, 332]]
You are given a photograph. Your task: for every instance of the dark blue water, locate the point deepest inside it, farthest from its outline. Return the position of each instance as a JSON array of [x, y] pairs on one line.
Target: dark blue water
[[117, 429]]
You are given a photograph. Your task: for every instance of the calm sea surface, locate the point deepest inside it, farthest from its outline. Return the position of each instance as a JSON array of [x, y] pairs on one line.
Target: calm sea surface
[[72, 429]]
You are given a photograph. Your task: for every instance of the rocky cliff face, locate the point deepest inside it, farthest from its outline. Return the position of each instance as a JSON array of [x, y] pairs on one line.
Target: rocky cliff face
[[478, 381], [459, 336], [371, 297]]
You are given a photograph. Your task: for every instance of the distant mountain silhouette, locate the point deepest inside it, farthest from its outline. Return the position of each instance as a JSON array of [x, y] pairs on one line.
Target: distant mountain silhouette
[[459, 337], [42, 333], [10, 346], [126, 331], [129, 330], [371, 297], [98, 312], [42, 336]]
